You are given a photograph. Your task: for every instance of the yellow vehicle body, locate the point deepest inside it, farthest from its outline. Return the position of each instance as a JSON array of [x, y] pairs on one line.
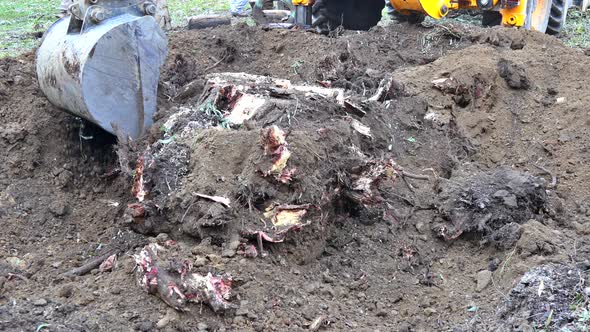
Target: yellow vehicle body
[[541, 15], [514, 16]]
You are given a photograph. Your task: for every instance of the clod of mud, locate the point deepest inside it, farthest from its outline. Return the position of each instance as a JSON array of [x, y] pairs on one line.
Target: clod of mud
[[514, 74], [534, 239], [12, 132], [371, 266], [490, 204]]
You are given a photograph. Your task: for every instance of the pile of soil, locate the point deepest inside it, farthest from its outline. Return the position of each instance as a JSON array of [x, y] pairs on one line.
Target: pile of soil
[[482, 133]]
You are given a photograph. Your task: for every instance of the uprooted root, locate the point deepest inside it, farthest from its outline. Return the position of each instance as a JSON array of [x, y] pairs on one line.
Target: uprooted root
[[174, 283]]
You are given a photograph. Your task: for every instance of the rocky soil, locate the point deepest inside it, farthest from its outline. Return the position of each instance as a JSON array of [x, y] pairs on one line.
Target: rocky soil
[[455, 200]]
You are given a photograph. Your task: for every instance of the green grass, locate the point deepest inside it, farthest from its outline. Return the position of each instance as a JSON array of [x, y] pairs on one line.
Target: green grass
[[20, 19], [181, 9], [577, 29]]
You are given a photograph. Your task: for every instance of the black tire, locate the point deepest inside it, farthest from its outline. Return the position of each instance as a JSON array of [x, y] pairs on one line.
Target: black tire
[[557, 17], [350, 14], [413, 18], [537, 15], [491, 18]]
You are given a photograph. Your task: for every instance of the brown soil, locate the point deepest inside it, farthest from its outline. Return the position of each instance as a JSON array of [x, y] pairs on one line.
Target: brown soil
[[512, 100]]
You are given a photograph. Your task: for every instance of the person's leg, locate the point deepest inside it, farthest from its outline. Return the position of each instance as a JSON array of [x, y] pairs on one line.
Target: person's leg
[[237, 7], [390, 10]]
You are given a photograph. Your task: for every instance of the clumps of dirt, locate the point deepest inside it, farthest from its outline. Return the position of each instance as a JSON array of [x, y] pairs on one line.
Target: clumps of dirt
[[346, 71], [514, 74], [346, 180], [514, 40], [351, 60], [490, 203], [549, 296], [535, 238], [13, 132]]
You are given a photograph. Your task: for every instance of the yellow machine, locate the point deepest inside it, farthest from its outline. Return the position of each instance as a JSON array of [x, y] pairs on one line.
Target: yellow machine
[[540, 15]]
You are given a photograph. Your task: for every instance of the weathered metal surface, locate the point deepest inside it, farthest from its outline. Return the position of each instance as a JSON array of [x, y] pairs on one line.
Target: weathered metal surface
[[107, 71], [303, 15]]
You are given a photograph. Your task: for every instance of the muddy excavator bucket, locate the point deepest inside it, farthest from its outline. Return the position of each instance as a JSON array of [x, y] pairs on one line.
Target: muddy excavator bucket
[[102, 63]]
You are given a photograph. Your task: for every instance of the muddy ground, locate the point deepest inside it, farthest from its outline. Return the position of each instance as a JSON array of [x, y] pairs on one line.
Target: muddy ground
[[497, 238]]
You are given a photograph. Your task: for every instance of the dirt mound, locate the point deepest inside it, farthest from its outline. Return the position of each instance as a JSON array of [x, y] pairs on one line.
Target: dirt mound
[[352, 60], [351, 181]]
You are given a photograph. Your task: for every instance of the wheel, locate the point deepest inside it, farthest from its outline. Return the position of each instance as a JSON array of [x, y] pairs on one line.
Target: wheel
[[350, 14], [557, 17], [491, 18], [413, 18], [537, 15], [546, 15]]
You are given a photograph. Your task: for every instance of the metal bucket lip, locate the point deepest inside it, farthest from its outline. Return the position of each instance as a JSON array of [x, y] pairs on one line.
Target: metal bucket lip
[[66, 85], [105, 117]]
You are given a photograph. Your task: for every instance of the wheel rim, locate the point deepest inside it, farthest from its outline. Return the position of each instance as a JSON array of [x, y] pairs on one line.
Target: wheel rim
[[538, 14]]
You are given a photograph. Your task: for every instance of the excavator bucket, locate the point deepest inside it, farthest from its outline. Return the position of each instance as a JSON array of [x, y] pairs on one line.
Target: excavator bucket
[[102, 63]]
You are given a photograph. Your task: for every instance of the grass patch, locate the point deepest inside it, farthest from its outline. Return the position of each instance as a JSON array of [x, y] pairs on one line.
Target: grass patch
[[180, 10], [21, 20], [577, 29]]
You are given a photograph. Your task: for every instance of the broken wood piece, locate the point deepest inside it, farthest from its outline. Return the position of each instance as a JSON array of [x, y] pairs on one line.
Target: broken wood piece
[[274, 15], [17, 276], [215, 64], [388, 89], [317, 323], [415, 176], [207, 21], [274, 143], [279, 25], [222, 200], [93, 263], [353, 109], [138, 189], [284, 219], [446, 84], [360, 128], [108, 264], [553, 183], [240, 96]]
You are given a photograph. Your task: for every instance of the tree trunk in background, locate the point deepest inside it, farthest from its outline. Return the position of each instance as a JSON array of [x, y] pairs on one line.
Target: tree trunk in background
[[208, 21]]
